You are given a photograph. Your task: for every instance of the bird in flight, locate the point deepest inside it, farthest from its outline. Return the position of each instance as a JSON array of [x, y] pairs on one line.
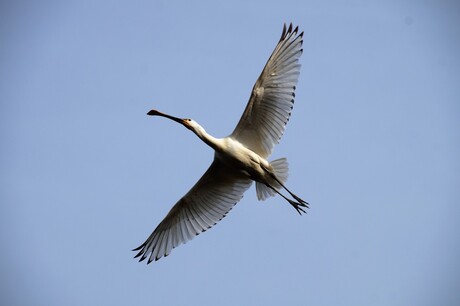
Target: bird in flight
[[239, 158]]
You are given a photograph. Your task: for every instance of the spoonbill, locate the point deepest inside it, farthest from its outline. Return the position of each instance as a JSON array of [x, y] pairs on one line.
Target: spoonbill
[[239, 158]]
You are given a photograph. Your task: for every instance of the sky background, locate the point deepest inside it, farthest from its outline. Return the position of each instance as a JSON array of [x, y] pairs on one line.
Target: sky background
[[373, 145]]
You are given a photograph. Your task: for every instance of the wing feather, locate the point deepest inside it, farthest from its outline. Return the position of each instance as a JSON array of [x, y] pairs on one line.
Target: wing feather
[[264, 120], [212, 197]]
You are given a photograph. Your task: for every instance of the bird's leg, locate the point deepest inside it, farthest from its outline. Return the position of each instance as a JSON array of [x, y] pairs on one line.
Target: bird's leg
[[299, 200], [302, 202], [297, 206]]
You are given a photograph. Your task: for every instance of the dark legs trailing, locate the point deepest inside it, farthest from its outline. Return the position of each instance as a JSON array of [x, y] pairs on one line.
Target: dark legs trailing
[[297, 205]]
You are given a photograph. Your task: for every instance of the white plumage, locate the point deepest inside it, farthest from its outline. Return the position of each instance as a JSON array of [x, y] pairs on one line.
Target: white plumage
[[240, 158]]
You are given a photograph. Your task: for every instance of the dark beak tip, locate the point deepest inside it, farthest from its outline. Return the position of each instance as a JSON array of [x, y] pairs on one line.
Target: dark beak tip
[[152, 112]]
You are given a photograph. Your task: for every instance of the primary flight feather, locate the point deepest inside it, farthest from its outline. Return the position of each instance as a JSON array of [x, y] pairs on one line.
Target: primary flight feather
[[240, 158]]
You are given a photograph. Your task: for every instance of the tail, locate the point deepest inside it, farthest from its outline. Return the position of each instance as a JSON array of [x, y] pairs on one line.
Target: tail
[[280, 168]]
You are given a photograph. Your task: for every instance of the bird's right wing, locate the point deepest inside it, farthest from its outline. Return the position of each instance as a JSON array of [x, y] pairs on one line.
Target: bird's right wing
[[269, 108], [212, 197]]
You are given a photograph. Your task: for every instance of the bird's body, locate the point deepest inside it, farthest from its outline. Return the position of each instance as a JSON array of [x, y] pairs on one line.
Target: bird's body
[[240, 158], [232, 153]]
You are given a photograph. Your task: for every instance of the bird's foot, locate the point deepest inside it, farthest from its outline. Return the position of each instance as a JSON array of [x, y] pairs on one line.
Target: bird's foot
[[300, 201], [299, 205]]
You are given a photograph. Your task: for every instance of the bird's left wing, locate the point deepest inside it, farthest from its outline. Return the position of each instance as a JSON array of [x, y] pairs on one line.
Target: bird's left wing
[[212, 197], [269, 108]]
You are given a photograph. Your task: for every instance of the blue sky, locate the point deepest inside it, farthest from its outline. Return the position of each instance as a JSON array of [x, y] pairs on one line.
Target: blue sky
[[373, 146]]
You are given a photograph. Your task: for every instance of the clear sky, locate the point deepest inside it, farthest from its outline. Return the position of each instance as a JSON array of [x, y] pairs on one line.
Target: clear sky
[[373, 145]]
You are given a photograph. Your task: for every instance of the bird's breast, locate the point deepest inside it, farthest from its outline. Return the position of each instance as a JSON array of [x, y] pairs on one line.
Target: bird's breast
[[237, 156]]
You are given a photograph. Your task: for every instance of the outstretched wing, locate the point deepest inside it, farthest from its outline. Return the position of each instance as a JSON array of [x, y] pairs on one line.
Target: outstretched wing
[[269, 108], [212, 197]]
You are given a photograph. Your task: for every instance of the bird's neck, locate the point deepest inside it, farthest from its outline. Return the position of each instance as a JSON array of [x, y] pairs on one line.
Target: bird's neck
[[207, 138]]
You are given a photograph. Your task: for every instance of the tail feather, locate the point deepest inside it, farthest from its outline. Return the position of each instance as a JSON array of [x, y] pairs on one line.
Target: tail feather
[[263, 192], [280, 168]]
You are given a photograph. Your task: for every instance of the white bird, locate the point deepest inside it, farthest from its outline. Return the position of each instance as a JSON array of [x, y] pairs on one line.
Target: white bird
[[240, 158]]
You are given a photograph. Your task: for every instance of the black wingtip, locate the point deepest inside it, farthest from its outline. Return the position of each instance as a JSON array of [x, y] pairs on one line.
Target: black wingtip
[[290, 30], [136, 249], [296, 30], [283, 34]]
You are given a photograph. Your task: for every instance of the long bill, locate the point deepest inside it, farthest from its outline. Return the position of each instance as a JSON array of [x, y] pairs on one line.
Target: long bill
[[154, 112]]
